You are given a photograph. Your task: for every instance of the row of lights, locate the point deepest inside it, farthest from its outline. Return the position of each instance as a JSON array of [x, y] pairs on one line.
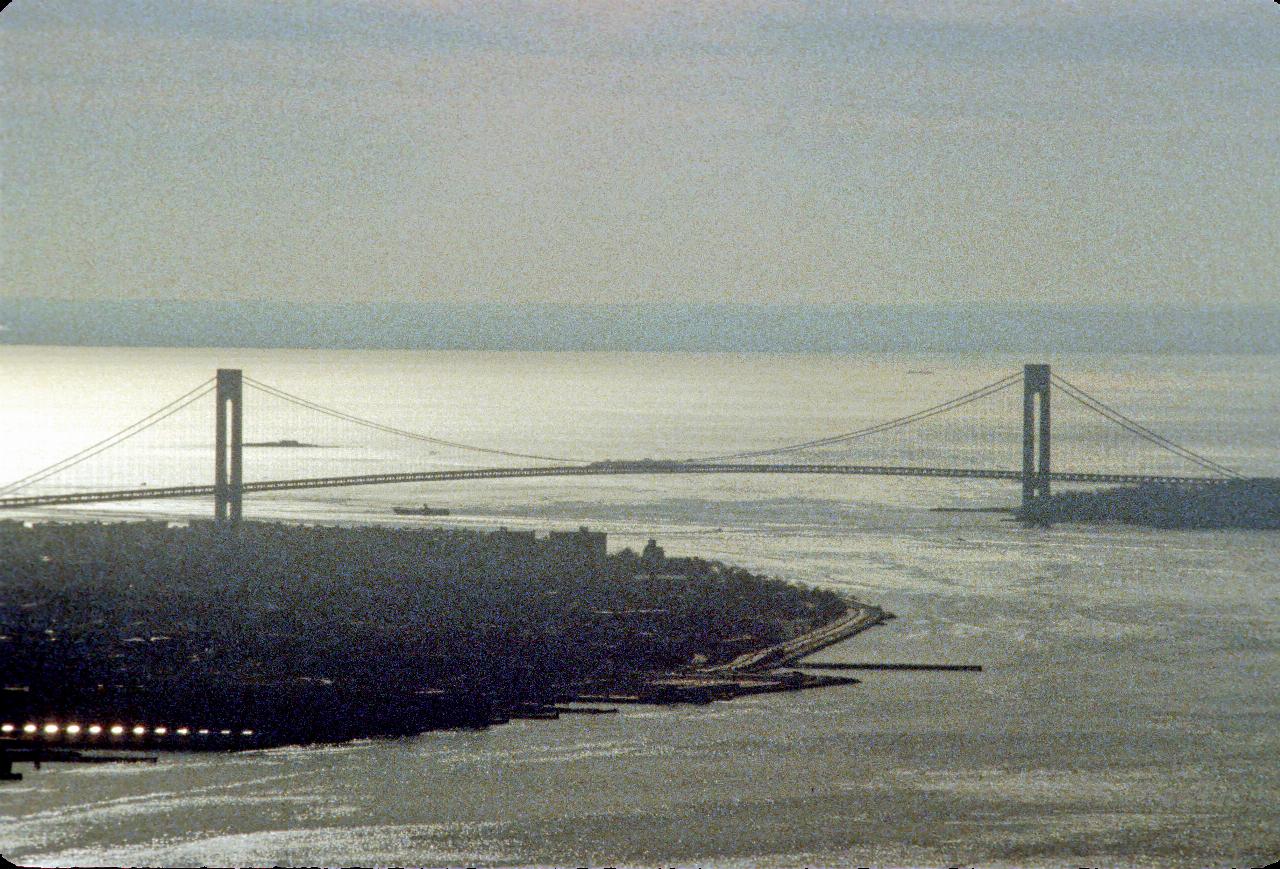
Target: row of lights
[[114, 730]]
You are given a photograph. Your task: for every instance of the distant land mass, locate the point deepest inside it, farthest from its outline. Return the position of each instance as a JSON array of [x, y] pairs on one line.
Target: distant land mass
[[643, 327], [1229, 504]]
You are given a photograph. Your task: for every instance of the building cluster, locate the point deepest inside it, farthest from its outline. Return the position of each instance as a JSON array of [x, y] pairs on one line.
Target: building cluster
[[266, 618], [581, 552]]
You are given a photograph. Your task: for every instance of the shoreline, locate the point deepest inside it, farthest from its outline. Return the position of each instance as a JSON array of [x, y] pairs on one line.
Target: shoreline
[[857, 618], [756, 672]]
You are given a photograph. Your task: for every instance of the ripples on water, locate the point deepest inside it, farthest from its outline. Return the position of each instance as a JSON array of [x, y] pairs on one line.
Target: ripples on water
[[1127, 714]]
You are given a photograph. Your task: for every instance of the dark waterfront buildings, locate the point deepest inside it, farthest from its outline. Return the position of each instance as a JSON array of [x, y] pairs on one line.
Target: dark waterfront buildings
[[299, 633]]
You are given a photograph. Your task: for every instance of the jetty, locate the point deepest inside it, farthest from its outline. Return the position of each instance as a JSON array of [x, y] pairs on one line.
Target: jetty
[[944, 668], [13, 751]]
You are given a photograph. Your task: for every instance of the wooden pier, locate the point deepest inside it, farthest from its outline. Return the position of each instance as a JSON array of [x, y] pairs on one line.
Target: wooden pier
[[11, 752]]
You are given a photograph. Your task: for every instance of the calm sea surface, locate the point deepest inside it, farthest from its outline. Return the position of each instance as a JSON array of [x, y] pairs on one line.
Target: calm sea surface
[[1126, 716]]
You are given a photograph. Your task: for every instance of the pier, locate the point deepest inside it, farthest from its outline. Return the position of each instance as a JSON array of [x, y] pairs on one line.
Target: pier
[[839, 665], [13, 751]]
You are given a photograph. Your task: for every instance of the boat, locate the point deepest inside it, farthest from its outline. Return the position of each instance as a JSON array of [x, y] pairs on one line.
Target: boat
[[424, 510]]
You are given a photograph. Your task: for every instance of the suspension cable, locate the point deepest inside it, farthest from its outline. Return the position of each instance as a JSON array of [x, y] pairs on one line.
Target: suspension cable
[[388, 429], [1134, 427], [1137, 428], [118, 438], [959, 401]]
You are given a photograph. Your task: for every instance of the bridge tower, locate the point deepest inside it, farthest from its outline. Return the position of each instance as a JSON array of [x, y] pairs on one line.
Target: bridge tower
[[1035, 433], [228, 443]]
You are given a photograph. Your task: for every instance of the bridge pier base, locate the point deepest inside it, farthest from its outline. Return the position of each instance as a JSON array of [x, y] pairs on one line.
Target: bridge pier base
[[1035, 433], [228, 446]]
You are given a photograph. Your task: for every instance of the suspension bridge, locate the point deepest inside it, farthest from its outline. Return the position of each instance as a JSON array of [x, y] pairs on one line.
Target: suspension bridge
[[228, 486]]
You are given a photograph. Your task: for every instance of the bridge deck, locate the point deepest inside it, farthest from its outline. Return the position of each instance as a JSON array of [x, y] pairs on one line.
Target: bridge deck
[[596, 469]]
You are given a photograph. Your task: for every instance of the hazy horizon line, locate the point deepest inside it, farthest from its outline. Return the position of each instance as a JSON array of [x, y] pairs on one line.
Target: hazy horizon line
[[1251, 328]]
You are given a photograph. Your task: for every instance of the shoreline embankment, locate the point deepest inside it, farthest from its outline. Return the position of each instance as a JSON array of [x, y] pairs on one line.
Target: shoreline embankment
[[856, 619], [759, 671]]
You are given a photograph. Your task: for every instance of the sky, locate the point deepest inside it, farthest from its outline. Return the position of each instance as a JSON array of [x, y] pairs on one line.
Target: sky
[[1067, 152]]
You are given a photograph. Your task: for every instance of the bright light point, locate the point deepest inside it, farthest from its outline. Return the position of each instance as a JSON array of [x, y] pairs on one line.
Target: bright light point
[[139, 730], [203, 731], [183, 731], [161, 731], [246, 733], [28, 728], [117, 729], [95, 729], [6, 728], [73, 729], [225, 732], [51, 728]]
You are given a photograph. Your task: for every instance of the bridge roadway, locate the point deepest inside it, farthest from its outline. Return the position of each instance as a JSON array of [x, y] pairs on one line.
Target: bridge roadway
[[589, 470]]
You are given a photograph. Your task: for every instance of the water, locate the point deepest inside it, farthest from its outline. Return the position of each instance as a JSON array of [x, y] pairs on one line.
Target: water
[[1127, 714]]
